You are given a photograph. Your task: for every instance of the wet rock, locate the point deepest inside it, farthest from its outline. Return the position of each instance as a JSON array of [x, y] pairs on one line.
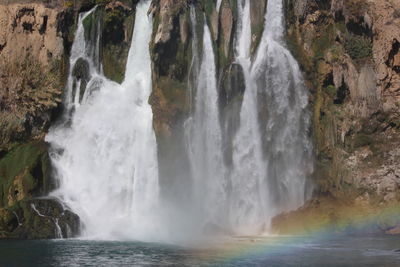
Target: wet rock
[[231, 96], [233, 84], [38, 219], [24, 173], [257, 10], [81, 70], [116, 35], [226, 21]]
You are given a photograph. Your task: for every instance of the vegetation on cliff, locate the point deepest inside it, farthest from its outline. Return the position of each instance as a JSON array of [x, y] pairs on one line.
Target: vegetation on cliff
[[340, 45]]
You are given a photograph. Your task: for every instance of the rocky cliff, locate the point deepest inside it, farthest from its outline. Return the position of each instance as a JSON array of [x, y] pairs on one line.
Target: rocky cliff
[[32, 67], [349, 51]]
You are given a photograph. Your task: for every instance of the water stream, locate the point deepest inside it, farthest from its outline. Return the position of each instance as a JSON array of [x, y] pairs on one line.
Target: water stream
[[105, 154], [204, 141], [272, 149], [104, 151]]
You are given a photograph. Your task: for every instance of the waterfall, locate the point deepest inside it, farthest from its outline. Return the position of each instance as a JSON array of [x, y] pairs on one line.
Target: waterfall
[[272, 149], [194, 64], [204, 141], [249, 205], [218, 5], [104, 149]]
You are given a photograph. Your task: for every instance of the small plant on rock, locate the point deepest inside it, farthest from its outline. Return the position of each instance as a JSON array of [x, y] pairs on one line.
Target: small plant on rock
[[358, 47]]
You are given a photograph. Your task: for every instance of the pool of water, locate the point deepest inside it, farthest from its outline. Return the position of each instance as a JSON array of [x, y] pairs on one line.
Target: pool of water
[[246, 251]]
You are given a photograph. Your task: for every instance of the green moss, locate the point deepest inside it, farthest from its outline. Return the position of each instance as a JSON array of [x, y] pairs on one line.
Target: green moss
[[331, 90], [209, 7], [341, 26], [11, 129], [336, 52], [88, 24], [358, 47], [21, 162], [30, 225], [113, 66], [174, 92], [234, 7]]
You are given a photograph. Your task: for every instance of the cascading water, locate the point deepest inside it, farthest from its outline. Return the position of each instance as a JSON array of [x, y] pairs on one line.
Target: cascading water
[[104, 151], [272, 150], [218, 5], [203, 137], [248, 203], [194, 64]]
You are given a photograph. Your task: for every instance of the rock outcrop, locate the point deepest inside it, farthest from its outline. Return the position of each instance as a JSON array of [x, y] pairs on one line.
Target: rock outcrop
[[31, 56], [33, 37], [349, 52]]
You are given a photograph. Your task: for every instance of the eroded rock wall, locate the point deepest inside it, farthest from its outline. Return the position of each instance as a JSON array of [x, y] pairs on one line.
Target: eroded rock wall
[[349, 52], [32, 67]]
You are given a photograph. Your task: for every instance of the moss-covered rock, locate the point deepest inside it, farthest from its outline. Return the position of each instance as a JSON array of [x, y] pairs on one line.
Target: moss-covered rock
[[24, 177], [117, 29], [33, 73], [38, 219], [113, 23], [171, 56], [24, 173], [257, 10], [81, 72]]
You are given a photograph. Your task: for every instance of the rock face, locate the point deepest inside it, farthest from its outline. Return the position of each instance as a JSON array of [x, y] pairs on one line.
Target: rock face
[[117, 20], [37, 219], [29, 29], [30, 46], [170, 48], [349, 50], [32, 66]]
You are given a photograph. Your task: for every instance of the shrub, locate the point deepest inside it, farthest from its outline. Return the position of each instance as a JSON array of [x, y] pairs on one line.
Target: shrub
[[358, 47]]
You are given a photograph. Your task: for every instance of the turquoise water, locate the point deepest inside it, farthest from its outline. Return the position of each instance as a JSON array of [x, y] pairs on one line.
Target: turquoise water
[[340, 251]]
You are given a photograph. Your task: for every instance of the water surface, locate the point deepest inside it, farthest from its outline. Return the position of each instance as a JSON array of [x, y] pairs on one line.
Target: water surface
[[266, 251]]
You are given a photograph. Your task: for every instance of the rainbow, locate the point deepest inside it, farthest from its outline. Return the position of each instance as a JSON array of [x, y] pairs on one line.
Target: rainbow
[[243, 249]]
